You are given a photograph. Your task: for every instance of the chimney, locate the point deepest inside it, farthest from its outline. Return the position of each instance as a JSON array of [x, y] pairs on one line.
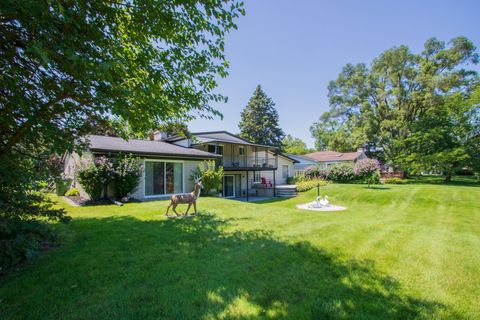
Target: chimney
[[159, 135]]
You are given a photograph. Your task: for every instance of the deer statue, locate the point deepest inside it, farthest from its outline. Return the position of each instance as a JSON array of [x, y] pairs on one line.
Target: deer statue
[[190, 198]]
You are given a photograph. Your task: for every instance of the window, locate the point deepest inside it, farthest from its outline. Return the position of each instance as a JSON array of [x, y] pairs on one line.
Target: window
[[241, 151], [215, 149], [257, 176], [285, 171], [163, 178]]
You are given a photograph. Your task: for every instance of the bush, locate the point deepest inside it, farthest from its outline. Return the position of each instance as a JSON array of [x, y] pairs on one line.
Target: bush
[[306, 185], [126, 175], [23, 230], [122, 172], [342, 172], [210, 175], [315, 172], [72, 193], [395, 180], [367, 171], [95, 175]]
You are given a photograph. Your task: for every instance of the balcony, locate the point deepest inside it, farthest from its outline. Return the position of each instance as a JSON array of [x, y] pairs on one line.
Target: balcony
[[249, 163]]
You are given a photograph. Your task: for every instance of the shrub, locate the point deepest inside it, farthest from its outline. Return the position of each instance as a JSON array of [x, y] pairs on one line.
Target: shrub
[[367, 171], [395, 180], [306, 185], [23, 230], [94, 176], [211, 176], [126, 174], [123, 172], [72, 193], [315, 172], [342, 172]]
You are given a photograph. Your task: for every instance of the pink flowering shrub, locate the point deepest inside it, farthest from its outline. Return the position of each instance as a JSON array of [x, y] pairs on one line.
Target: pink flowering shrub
[[364, 171], [367, 171], [126, 175], [122, 172]]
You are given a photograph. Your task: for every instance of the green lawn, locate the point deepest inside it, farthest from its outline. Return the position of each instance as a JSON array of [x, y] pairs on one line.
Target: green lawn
[[398, 252]]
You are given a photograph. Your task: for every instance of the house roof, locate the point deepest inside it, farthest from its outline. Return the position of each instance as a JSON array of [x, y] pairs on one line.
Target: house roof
[[145, 147], [327, 156], [301, 157], [288, 157], [217, 136]]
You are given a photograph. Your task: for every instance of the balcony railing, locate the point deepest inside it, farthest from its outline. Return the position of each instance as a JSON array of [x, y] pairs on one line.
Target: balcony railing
[[249, 162]]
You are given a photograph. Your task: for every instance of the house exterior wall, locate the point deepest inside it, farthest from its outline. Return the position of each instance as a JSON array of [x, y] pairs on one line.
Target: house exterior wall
[[73, 164], [279, 179], [189, 168]]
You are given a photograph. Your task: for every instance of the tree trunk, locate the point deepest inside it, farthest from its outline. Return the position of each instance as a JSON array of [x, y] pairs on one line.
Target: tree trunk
[[448, 177]]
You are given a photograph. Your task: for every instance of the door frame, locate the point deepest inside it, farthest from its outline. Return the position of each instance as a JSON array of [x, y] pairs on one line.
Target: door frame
[[223, 187]]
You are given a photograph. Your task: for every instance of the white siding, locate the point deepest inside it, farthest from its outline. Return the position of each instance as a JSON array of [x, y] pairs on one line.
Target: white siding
[[279, 180]]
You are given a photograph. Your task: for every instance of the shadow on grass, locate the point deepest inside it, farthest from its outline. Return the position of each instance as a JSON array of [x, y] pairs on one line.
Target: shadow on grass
[[121, 267]]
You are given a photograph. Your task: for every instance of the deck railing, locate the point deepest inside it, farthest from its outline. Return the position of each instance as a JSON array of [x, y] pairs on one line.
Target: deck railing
[[249, 162]]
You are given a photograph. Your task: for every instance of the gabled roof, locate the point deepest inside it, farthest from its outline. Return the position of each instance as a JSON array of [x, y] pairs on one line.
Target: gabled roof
[[217, 136], [145, 147], [328, 156]]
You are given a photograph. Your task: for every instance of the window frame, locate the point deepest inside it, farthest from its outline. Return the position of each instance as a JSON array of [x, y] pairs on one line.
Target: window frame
[[283, 172], [164, 177]]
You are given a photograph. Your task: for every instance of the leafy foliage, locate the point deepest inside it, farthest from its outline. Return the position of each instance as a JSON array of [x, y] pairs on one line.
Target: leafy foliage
[[22, 227], [69, 67], [95, 176], [122, 172], [363, 171], [294, 145], [126, 175], [306, 185], [403, 107], [367, 170], [395, 180], [72, 193], [259, 122], [211, 176]]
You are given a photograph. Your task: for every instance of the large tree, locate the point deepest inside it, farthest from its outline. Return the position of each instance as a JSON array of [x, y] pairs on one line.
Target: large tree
[[69, 67], [330, 135], [376, 106], [259, 121], [445, 138]]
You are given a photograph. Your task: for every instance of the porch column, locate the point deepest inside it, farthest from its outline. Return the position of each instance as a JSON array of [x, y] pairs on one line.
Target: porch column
[[274, 186], [247, 186]]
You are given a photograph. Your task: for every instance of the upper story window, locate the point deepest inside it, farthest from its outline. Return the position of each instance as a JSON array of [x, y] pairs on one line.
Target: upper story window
[[215, 149], [241, 151]]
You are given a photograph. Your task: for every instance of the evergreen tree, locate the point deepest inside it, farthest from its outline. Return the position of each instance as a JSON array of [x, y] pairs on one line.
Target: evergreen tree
[[259, 122]]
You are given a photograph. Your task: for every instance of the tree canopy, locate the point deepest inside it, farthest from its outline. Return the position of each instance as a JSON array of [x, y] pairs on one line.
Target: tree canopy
[[74, 67], [66, 64], [294, 145], [259, 120], [386, 107]]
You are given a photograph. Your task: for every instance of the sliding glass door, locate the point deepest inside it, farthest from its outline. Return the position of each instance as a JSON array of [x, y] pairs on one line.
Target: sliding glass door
[[229, 186], [162, 177]]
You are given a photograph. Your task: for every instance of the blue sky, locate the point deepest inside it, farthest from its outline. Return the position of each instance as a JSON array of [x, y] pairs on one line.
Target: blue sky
[[294, 48]]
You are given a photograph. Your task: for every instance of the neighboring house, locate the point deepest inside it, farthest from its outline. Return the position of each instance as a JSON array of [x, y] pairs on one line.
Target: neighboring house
[[328, 158], [302, 163], [169, 162]]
